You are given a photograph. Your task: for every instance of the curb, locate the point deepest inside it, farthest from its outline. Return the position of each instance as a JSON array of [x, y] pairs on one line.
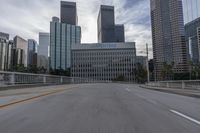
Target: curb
[[172, 91]]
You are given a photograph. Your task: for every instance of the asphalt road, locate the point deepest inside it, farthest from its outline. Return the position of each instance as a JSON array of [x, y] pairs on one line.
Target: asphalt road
[[104, 108]]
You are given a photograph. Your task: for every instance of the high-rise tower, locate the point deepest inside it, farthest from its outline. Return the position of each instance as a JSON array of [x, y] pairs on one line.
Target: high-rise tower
[[169, 47], [68, 13]]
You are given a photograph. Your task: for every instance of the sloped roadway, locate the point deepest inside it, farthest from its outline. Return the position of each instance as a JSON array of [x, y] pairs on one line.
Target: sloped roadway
[[104, 108]]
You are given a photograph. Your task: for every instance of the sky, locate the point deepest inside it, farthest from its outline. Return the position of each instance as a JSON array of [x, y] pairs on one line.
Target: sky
[[27, 18]]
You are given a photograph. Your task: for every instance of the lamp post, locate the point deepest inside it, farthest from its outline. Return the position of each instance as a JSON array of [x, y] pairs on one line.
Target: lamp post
[[147, 63]]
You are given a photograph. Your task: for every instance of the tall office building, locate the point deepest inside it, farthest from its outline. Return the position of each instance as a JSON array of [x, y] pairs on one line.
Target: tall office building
[[5, 51], [20, 52], [62, 37], [119, 33], [4, 38], [191, 10], [43, 50], [68, 13], [192, 35], [8, 64], [107, 30], [32, 52], [168, 36]]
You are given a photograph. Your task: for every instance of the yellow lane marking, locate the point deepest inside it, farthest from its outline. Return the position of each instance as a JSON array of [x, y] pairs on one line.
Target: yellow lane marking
[[31, 98]]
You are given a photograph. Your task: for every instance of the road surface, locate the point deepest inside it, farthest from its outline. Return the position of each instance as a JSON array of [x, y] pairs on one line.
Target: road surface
[[104, 108]]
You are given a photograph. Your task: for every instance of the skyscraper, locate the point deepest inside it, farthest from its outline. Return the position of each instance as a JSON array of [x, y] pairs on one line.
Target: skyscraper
[[168, 37], [20, 54], [191, 10], [4, 38], [107, 30], [62, 37], [68, 13], [43, 54], [119, 33], [106, 24], [32, 52]]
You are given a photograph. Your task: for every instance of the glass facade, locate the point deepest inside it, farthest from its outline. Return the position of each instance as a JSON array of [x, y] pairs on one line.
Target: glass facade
[[32, 50], [20, 46], [107, 30], [62, 37], [5, 51], [192, 36], [43, 50], [68, 13]]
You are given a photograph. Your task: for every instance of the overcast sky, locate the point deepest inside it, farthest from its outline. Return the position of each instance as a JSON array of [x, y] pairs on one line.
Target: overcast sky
[[27, 18]]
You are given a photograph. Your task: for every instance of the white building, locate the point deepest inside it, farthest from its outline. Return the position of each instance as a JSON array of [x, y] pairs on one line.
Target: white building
[[104, 61]]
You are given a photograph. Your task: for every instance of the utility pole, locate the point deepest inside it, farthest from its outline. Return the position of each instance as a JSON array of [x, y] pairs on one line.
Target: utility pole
[[147, 64]]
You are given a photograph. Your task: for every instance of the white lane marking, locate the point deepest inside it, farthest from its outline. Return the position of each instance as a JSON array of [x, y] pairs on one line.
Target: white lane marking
[[185, 116], [127, 89]]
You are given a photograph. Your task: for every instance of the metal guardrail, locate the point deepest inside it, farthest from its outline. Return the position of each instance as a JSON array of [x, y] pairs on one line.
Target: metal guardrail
[[183, 84], [16, 78]]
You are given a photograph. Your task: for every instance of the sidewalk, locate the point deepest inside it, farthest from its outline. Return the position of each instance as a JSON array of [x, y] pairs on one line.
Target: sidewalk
[[184, 92]]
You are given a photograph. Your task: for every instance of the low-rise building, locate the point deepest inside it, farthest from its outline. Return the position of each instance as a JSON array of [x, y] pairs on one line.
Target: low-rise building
[[104, 61]]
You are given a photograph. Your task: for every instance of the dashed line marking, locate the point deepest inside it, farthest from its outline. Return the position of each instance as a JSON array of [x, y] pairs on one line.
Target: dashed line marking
[[186, 117]]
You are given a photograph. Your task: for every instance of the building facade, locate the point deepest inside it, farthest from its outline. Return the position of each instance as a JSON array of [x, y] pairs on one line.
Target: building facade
[[142, 60], [20, 52], [107, 30], [192, 35], [191, 10], [104, 61], [68, 13], [32, 52], [4, 38], [119, 33], [5, 51], [43, 51], [168, 36], [62, 37]]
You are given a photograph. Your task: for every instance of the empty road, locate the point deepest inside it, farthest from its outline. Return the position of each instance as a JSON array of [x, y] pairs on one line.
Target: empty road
[[103, 108]]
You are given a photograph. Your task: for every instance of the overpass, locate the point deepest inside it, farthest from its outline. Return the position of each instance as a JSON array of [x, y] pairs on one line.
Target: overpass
[[97, 108]]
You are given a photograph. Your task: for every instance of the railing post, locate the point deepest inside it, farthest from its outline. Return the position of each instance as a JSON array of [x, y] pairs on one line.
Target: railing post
[[61, 80], [12, 79], [44, 80], [167, 84], [183, 85]]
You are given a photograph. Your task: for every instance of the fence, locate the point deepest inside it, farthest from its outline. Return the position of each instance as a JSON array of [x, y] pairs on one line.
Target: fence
[[185, 84], [15, 78]]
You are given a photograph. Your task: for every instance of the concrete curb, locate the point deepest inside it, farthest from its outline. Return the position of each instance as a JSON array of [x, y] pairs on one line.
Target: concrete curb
[[189, 94]]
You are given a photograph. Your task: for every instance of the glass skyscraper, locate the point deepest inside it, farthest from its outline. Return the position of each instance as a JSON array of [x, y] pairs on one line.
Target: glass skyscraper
[[32, 52], [68, 13], [192, 39], [43, 48], [64, 34], [191, 10], [107, 30], [3, 49], [62, 37]]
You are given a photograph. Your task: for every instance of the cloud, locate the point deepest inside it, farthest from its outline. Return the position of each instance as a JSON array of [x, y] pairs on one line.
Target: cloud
[[28, 17]]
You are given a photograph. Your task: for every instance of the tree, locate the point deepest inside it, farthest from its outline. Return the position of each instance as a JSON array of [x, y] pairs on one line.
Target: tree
[[167, 71], [140, 73], [120, 78]]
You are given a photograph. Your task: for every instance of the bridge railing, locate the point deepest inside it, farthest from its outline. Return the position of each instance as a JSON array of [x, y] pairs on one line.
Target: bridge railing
[[183, 84], [16, 78]]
